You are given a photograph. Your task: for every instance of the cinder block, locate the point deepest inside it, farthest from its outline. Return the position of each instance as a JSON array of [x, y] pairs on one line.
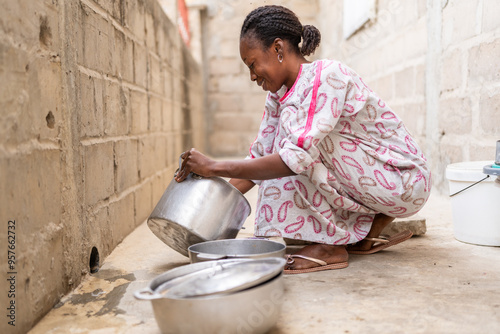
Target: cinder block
[[236, 84], [47, 106], [122, 218], [117, 112], [416, 224], [123, 56], [167, 78], [225, 143], [151, 155], [420, 80], [413, 115], [455, 116], [140, 112], [31, 188], [384, 87], [126, 170], [234, 122], [163, 43], [483, 152], [178, 93], [483, 60], [156, 82], [141, 65], [143, 203], [111, 6], [230, 48], [98, 172], [178, 118], [134, 18], [160, 183], [489, 107], [167, 112], [91, 117], [458, 21], [97, 39], [150, 32], [491, 8], [225, 66], [451, 73], [155, 114], [305, 10], [404, 82]]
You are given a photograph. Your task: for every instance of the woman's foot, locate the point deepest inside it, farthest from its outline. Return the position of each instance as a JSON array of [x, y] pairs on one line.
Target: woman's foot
[[329, 254], [379, 223]]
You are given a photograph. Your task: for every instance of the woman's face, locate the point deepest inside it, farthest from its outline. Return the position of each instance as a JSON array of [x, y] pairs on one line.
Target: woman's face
[[265, 68]]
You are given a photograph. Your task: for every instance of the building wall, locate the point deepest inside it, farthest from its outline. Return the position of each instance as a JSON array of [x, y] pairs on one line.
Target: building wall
[[97, 101], [434, 62]]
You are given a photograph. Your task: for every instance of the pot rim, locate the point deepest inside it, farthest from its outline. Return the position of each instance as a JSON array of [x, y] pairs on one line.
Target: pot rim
[[192, 248], [150, 293]]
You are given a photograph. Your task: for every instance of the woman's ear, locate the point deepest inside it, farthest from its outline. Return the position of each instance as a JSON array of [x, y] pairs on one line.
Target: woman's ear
[[278, 45]]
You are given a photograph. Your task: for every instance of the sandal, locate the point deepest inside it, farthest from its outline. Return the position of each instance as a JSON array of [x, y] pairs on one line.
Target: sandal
[[382, 243], [290, 259]]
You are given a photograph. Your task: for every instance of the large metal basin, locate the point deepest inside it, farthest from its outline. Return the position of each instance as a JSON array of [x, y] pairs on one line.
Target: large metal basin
[[196, 210]]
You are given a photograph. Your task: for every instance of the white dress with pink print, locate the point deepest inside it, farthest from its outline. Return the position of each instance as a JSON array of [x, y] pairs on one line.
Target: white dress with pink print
[[352, 155]]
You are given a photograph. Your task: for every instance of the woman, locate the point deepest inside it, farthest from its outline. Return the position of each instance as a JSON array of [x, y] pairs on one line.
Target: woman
[[334, 163]]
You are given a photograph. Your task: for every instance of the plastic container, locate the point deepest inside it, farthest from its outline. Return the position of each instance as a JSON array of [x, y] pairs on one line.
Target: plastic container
[[476, 210]]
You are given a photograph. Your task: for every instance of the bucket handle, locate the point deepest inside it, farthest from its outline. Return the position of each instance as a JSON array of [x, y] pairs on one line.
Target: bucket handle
[[458, 192]]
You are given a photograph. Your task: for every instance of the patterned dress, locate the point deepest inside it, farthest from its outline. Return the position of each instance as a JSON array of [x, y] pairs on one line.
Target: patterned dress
[[352, 154]]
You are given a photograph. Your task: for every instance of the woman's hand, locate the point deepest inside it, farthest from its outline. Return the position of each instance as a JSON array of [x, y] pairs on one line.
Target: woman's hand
[[264, 168], [196, 162]]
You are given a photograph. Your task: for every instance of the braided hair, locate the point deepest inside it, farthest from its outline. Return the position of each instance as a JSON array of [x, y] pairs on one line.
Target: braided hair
[[267, 23]]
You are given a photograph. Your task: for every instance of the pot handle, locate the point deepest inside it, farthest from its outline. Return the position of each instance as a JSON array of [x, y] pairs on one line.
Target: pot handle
[[196, 176], [146, 294], [208, 256]]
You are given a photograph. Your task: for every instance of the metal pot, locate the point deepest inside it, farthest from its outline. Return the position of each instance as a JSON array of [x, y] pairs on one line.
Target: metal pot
[[255, 309], [235, 248], [196, 210]]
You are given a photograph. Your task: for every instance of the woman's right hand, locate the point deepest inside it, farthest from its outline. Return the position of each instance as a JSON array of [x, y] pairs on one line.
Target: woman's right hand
[[196, 162]]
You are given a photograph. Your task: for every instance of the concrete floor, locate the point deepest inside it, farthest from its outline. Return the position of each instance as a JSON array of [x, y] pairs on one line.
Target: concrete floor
[[428, 284]]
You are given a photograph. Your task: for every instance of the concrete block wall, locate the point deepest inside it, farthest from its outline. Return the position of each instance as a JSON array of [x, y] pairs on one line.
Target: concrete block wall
[[98, 98]]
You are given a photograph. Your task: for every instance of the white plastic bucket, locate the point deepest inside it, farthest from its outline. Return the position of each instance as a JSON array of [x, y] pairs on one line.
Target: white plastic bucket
[[476, 210]]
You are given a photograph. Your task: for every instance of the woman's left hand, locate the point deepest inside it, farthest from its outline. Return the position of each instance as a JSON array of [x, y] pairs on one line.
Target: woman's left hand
[[196, 162]]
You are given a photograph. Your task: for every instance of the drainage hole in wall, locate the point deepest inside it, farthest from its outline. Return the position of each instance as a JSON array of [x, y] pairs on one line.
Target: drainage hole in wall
[[94, 260], [51, 120]]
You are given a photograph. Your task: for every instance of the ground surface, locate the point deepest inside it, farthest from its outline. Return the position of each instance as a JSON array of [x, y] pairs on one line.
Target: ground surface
[[429, 284]]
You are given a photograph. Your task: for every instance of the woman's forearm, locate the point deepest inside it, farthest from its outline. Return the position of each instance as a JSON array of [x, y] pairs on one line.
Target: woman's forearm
[[264, 168], [242, 185]]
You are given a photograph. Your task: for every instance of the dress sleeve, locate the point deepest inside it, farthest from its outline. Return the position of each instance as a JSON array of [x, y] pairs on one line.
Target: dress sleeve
[[263, 143], [319, 110]]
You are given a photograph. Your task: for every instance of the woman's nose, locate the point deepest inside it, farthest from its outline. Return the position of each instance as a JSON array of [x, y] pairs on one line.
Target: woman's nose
[[253, 76]]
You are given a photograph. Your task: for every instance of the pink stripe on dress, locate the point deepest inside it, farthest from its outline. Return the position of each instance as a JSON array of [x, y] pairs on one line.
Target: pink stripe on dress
[[312, 106]]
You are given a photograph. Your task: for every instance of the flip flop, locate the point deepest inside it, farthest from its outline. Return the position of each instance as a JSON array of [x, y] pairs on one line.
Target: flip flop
[[322, 265], [383, 243]]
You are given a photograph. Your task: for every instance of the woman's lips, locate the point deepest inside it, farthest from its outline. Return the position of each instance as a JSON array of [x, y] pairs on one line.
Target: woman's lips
[[261, 84]]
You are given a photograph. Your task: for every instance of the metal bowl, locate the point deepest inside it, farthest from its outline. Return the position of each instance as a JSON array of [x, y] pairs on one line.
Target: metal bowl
[[254, 309], [234, 249]]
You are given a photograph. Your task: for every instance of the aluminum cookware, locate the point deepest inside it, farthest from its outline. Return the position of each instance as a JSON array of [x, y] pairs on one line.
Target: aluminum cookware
[[235, 248], [251, 305], [197, 210]]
